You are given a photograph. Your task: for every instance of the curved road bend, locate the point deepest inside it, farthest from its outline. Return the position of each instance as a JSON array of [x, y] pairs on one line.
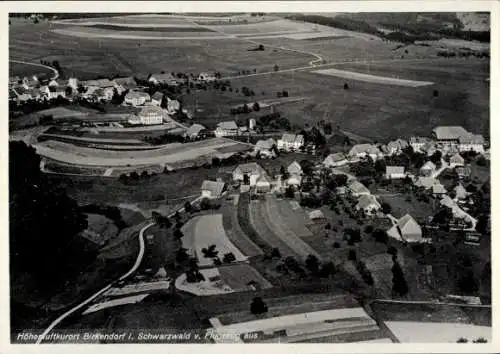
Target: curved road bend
[[56, 73], [126, 275], [79, 306]]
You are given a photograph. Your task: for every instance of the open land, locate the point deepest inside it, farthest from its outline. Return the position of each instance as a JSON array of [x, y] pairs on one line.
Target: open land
[[22, 70]]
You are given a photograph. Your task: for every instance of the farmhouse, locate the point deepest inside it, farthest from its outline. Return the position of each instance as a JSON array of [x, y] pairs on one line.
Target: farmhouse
[[227, 129], [457, 160], [365, 150], [357, 189], [335, 160], [263, 184], [212, 189], [438, 190], [157, 98], [265, 147], [449, 134], [290, 142], [250, 171], [294, 180], [163, 79], [194, 131], [406, 229], [125, 83], [418, 142], [396, 147], [429, 148], [14, 80], [294, 169], [427, 169], [150, 115], [395, 172], [136, 98], [73, 83], [471, 142], [316, 215], [54, 92], [173, 106], [460, 192], [368, 203]]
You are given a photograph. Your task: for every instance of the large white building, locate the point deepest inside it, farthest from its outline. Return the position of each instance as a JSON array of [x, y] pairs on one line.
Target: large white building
[[150, 115], [136, 98], [290, 142], [227, 129], [471, 142]]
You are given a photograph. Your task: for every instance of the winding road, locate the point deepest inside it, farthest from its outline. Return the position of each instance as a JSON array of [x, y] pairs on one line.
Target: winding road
[[124, 276], [56, 73]]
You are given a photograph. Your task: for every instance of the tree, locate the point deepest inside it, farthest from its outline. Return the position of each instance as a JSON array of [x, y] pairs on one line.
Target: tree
[[346, 86], [312, 263], [327, 269], [205, 204], [435, 93], [178, 234], [436, 157], [276, 67], [258, 306], [386, 208], [209, 252], [68, 91], [284, 173], [352, 255], [261, 47], [480, 340], [275, 253], [399, 285], [462, 340], [256, 107], [188, 207], [229, 258], [289, 192]]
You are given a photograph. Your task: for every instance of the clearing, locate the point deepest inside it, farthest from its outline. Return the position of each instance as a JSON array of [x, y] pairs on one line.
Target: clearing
[[372, 78]]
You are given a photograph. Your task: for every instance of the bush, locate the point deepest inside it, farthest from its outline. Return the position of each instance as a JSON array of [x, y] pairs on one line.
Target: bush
[[352, 255], [336, 245], [229, 258]]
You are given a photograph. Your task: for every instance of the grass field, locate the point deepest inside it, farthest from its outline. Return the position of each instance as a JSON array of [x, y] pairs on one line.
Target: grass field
[[239, 276], [382, 112], [85, 58], [170, 187]]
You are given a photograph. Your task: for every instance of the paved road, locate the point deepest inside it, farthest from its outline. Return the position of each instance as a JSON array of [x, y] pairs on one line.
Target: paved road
[[124, 276], [56, 73], [428, 303]]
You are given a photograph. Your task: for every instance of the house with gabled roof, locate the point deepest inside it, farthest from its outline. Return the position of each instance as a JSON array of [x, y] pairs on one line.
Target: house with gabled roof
[[438, 190], [365, 150], [418, 142], [212, 189], [449, 133], [294, 168], [406, 229], [460, 192], [137, 98], [395, 172], [428, 169], [396, 147], [290, 142], [457, 160], [335, 160], [251, 170], [157, 98], [263, 184], [229, 128], [471, 142], [163, 79], [194, 131], [265, 147]]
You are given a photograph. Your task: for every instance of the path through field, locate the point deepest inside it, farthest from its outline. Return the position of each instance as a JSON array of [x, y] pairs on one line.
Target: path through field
[[56, 73]]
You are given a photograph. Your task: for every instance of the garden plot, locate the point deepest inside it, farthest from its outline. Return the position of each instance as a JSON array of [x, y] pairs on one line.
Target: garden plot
[[243, 277], [288, 233], [294, 217], [212, 285], [100, 228], [351, 75], [432, 332], [203, 231], [117, 302]]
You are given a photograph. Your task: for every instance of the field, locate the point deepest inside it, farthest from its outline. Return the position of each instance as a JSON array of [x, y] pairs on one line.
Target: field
[[167, 154], [102, 227], [383, 112], [351, 75], [239, 276], [168, 188], [84, 56], [208, 230], [21, 70]]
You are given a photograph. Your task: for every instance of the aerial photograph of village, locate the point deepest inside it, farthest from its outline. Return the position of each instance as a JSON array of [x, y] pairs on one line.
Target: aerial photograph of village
[[249, 177]]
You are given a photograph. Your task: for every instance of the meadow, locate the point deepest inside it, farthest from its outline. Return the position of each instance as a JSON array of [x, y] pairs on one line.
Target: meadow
[[21, 70]]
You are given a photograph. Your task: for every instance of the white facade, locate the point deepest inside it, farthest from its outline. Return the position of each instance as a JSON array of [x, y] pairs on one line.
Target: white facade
[[290, 142], [151, 115], [136, 98]]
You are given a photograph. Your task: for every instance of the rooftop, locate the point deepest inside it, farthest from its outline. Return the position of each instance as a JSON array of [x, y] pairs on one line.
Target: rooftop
[[230, 125], [449, 132]]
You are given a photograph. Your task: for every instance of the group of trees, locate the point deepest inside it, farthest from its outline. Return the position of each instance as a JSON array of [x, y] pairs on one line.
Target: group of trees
[[245, 109], [165, 139], [283, 93]]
